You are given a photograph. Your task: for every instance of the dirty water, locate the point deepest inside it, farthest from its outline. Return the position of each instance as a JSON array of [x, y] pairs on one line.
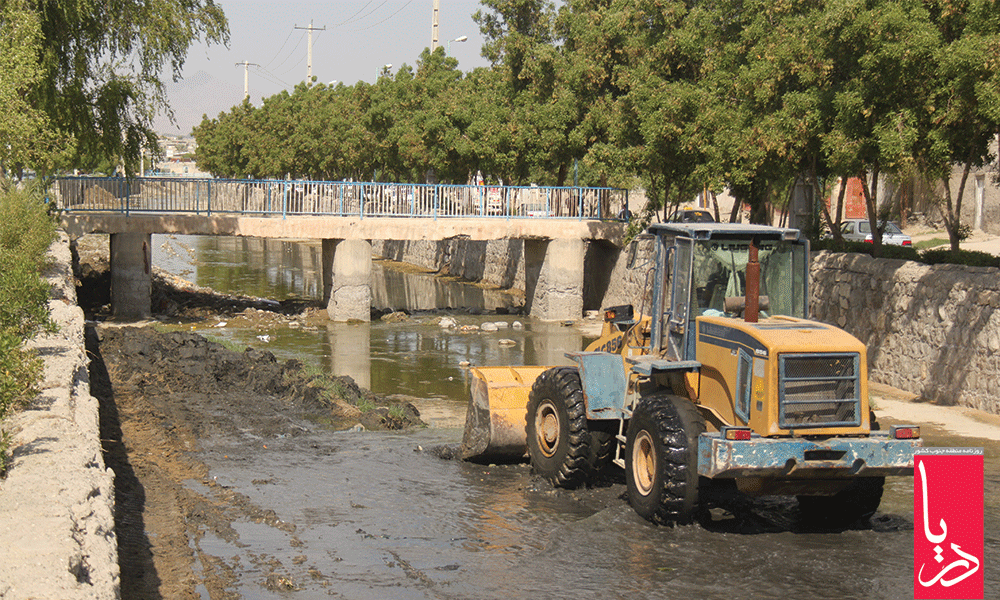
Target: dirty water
[[380, 515], [376, 517]]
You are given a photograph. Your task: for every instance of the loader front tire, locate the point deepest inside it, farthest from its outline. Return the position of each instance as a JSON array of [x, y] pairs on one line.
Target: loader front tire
[[561, 446], [661, 459]]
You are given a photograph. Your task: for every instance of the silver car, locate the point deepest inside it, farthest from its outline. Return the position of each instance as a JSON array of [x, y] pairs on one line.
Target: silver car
[[860, 230]]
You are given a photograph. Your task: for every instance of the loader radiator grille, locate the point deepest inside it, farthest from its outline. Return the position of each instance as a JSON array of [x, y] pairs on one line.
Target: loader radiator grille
[[819, 390]]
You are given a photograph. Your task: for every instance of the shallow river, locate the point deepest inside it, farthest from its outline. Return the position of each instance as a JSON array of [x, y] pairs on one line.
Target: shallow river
[[376, 515]]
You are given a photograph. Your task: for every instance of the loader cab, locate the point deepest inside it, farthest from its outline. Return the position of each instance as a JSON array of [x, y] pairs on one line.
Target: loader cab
[[701, 265]]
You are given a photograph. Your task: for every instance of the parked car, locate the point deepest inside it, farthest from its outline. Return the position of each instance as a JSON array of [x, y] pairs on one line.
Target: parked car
[[860, 230], [691, 215]]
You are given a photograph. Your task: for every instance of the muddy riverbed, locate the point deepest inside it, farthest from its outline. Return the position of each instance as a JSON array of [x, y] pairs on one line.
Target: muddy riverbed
[[236, 478]]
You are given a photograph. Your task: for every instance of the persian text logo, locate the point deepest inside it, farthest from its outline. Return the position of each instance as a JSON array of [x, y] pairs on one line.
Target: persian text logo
[[948, 523]]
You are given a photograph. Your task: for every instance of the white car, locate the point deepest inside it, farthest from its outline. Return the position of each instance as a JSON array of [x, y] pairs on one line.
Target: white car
[[860, 230]]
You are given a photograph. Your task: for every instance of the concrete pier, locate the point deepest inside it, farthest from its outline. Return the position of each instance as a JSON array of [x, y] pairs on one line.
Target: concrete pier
[[131, 286], [347, 270], [553, 274]]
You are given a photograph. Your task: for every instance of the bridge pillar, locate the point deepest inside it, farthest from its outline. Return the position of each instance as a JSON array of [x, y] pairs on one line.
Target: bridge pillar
[[347, 271], [131, 286], [553, 278]]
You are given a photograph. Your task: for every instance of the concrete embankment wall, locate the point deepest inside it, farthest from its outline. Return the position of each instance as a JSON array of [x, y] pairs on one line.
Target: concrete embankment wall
[[930, 330], [57, 533]]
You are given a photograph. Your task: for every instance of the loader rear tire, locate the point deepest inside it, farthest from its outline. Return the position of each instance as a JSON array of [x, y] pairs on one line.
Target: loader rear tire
[[561, 446], [661, 459]]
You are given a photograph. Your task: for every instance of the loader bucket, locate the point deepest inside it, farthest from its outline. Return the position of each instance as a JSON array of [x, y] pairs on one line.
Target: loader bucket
[[494, 422]]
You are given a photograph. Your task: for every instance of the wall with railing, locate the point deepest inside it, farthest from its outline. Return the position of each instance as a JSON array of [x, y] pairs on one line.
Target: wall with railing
[[333, 198]]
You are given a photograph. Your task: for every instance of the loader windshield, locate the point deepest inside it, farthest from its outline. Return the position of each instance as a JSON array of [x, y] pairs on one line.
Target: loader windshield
[[719, 271]]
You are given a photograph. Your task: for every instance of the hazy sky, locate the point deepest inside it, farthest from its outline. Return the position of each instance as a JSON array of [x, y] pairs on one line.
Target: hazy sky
[[360, 37]]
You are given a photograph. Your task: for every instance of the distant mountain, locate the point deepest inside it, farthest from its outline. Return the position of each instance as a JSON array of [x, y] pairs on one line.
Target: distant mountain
[[194, 96]]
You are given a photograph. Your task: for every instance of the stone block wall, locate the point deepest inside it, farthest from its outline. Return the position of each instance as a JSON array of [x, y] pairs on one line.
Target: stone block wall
[[933, 330]]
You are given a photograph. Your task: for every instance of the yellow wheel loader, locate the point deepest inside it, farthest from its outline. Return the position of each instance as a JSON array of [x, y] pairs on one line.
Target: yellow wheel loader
[[719, 375]]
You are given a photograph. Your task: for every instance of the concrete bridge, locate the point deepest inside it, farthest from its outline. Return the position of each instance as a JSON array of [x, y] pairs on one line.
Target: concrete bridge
[[555, 225]]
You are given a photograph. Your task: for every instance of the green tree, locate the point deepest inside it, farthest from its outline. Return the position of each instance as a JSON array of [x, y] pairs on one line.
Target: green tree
[[90, 71], [223, 142], [962, 114], [26, 231], [28, 135]]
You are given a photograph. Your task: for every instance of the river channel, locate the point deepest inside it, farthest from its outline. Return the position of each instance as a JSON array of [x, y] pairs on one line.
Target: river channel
[[379, 515]]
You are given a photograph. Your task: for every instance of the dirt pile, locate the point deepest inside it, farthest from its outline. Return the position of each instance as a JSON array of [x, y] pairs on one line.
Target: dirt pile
[[238, 394]]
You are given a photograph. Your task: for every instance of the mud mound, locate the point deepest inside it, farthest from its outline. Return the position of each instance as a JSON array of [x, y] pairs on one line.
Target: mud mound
[[219, 392]]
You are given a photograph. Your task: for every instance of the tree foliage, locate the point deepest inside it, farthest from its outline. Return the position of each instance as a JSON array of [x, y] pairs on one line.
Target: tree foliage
[[81, 80], [749, 96], [26, 232]]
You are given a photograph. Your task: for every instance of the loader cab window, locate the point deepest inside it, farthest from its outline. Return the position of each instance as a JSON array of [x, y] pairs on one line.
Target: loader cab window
[[719, 271]]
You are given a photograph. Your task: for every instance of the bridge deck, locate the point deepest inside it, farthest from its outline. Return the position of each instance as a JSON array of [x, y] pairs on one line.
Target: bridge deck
[[326, 227]]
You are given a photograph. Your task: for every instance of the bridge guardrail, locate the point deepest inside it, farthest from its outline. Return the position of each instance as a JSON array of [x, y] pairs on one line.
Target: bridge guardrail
[[333, 198]]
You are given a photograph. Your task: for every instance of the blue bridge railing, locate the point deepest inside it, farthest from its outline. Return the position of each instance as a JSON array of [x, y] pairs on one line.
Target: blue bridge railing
[[333, 198]]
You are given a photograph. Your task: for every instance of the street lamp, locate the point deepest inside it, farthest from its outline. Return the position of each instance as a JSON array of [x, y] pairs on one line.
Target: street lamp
[[463, 38]]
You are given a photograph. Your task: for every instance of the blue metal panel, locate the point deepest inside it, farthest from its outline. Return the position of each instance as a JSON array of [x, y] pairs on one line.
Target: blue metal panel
[[647, 365], [799, 458], [604, 383]]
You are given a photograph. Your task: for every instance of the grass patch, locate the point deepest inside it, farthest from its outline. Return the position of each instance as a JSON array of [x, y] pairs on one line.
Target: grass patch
[[397, 411], [931, 243], [226, 343]]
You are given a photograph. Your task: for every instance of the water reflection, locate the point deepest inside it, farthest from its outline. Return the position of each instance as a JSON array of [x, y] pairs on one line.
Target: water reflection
[[414, 357], [280, 269], [396, 289], [348, 351]]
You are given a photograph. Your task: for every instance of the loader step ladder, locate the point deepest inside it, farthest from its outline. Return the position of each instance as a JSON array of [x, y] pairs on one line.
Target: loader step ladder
[[622, 438], [646, 365]]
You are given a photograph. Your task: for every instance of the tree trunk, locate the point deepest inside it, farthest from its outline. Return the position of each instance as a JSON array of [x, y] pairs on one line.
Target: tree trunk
[[953, 216], [835, 225], [871, 194], [734, 214]]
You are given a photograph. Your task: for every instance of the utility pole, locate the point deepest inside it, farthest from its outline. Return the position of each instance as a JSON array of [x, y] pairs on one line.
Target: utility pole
[[246, 77], [434, 25], [309, 55]]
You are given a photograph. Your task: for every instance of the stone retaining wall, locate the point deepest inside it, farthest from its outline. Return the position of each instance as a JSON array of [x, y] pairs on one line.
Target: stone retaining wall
[[930, 330], [933, 330], [57, 530]]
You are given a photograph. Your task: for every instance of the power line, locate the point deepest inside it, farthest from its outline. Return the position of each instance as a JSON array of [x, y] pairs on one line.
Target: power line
[[292, 53], [271, 76], [385, 19], [350, 18], [355, 16], [287, 37]]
